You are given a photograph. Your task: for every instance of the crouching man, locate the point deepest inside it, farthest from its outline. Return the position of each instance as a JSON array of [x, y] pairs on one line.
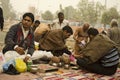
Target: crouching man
[[100, 54]]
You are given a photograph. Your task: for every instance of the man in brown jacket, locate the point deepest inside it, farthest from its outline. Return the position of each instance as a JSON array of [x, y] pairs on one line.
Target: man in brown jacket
[[40, 31], [100, 55], [54, 41]]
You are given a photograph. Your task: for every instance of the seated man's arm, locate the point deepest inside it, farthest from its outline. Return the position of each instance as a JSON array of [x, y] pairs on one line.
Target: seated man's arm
[[10, 36], [83, 61]]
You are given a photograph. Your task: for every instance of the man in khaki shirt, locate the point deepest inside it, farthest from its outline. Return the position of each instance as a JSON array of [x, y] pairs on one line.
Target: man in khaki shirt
[[80, 37], [114, 33]]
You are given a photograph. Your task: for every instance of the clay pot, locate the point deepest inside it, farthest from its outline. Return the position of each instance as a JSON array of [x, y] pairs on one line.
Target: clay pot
[[66, 60], [55, 59]]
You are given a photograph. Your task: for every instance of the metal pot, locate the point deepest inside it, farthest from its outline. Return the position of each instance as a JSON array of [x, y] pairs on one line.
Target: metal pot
[[34, 69]]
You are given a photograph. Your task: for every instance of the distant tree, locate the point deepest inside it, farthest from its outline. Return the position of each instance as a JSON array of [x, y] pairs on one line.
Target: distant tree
[[69, 13], [89, 11], [100, 9], [7, 9], [76, 15], [47, 15], [107, 16], [82, 8], [114, 14]]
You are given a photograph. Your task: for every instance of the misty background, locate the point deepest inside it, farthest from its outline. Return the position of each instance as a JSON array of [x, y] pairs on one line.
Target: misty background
[[92, 11]]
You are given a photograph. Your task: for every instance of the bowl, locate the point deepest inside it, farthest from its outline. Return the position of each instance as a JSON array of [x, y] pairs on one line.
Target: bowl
[[32, 66], [54, 64], [34, 69], [66, 66]]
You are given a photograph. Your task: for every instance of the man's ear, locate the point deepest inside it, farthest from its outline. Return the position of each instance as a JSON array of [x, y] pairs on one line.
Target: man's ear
[[91, 36], [65, 31]]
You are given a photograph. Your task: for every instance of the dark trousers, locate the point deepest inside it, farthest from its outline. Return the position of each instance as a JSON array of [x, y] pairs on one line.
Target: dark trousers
[[96, 67]]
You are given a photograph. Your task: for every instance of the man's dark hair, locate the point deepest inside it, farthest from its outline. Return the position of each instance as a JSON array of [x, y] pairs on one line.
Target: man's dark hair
[[92, 31], [60, 13], [29, 15], [68, 29], [37, 21]]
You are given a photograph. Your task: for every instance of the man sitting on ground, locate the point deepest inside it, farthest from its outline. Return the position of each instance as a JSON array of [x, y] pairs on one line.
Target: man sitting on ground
[[100, 55]]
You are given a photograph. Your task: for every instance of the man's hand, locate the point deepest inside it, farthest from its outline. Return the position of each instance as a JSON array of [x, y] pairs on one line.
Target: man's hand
[[26, 59], [19, 50], [78, 55]]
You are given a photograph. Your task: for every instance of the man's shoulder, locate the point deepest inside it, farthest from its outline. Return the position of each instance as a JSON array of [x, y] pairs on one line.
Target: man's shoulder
[[65, 21], [56, 30], [15, 25], [79, 29], [56, 20]]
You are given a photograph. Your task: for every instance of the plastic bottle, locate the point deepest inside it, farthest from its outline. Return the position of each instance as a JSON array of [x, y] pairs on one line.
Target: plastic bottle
[[29, 63]]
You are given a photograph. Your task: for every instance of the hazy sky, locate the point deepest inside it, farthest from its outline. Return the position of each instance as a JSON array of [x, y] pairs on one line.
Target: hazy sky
[[52, 5]]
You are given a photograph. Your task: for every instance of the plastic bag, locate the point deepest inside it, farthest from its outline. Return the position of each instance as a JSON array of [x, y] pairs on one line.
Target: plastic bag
[[20, 65], [8, 63], [72, 58], [9, 67]]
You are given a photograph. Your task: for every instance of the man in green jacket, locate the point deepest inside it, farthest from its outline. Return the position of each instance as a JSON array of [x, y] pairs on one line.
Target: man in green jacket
[[100, 55]]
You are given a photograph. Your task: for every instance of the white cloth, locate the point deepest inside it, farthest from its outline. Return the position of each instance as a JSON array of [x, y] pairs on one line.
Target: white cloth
[[36, 55], [40, 54], [13, 55]]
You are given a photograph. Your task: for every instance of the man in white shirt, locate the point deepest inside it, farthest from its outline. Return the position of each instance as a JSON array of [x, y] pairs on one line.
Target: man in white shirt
[[60, 22], [20, 38]]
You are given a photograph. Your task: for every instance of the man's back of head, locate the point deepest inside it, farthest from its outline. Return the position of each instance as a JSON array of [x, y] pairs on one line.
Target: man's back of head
[[92, 32], [37, 21], [114, 23], [86, 26]]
